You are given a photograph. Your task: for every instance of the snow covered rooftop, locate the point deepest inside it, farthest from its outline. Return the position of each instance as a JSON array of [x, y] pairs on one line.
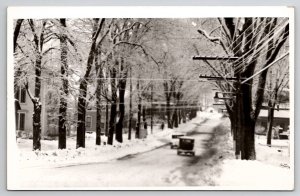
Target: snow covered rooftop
[[277, 114]]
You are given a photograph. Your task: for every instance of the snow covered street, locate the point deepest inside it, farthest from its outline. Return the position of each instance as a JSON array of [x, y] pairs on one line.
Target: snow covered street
[[151, 163], [160, 167]]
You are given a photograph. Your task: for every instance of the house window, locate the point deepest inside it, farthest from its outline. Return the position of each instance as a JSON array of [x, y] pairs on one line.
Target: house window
[[88, 122], [21, 95], [21, 121]]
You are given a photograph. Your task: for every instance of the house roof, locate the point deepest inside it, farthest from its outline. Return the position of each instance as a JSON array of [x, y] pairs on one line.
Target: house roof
[[277, 114]]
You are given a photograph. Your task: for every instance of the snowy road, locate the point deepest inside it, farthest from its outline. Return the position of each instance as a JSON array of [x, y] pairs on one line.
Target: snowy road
[[159, 167]]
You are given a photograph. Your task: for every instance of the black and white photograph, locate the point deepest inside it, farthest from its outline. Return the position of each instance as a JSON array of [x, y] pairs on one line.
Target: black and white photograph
[[150, 98]]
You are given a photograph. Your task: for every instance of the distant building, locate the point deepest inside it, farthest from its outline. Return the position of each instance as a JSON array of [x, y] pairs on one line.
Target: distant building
[[49, 114], [281, 118]]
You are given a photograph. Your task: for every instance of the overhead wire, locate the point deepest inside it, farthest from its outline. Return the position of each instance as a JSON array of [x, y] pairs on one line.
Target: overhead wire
[[266, 39], [236, 39], [240, 68]]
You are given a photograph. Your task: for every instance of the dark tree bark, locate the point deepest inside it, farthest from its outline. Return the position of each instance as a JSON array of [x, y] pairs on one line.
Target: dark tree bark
[[138, 126], [179, 116], [169, 89], [130, 104], [98, 96], [144, 117], [175, 118], [119, 126], [177, 96], [151, 109], [122, 87], [81, 107], [183, 115], [270, 122], [113, 109], [64, 91], [168, 108], [17, 73], [107, 107], [273, 98], [98, 123], [37, 106], [106, 118], [17, 32], [36, 100]]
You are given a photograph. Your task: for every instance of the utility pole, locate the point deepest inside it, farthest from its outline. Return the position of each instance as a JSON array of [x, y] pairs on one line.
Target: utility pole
[[238, 134]]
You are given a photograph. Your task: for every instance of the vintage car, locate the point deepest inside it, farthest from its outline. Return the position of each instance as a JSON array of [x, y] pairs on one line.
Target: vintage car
[[175, 139], [186, 146]]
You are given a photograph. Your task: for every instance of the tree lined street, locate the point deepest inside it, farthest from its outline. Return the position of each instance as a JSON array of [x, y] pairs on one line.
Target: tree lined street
[[158, 167], [98, 101]]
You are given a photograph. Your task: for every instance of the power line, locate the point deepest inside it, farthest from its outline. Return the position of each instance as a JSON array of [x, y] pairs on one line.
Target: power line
[[247, 36], [239, 67], [253, 48], [266, 41], [279, 58], [148, 79], [241, 40]]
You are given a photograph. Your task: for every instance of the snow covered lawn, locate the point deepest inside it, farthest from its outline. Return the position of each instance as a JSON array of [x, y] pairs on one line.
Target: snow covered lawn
[[50, 156], [255, 175], [270, 171]]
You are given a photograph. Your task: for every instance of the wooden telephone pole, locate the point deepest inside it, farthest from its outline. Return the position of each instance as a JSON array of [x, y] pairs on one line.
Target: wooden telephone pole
[[238, 132]]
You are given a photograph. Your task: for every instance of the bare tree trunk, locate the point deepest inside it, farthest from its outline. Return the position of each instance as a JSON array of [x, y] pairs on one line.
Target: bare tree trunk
[[122, 87], [144, 117], [247, 125], [168, 108], [179, 116], [271, 104], [183, 115], [106, 118], [37, 105], [62, 125], [270, 122], [113, 109], [17, 32], [17, 72], [138, 126], [248, 151], [130, 104], [175, 118], [36, 100], [151, 110], [119, 126], [81, 107], [107, 107], [99, 110], [98, 97], [80, 141]]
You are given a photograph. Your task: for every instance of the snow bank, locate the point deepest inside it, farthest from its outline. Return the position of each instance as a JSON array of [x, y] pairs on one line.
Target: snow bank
[[270, 171], [243, 174], [85, 155], [50, 156]]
